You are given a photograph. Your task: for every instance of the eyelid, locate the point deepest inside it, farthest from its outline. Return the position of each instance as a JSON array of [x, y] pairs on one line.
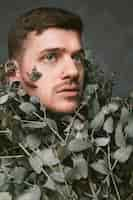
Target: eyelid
[[46, 54], [80, 55]]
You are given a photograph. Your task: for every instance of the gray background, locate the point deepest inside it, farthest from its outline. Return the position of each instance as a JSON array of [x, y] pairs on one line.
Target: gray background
[[108, 32]]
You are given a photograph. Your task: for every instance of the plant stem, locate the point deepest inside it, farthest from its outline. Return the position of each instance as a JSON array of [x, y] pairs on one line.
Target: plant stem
[[72, 122], [93, 191]]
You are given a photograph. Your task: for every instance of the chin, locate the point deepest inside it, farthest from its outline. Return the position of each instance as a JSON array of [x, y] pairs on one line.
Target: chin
[[66, 108]]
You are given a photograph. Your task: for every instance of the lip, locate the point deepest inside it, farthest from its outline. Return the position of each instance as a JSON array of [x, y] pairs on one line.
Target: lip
[[73, 91]]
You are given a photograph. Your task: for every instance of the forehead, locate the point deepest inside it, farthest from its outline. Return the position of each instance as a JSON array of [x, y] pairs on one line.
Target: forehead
[[53, 38]]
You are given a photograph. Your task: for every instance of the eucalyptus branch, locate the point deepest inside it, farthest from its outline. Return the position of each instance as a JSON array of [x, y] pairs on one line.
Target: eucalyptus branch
[[56, 133], [12, 156], [93, 190], [111, 174], [24, 149], [115, 187], [72, 122]]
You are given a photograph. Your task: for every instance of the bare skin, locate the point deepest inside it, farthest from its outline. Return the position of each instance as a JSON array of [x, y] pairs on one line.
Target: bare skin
[[58, 55]]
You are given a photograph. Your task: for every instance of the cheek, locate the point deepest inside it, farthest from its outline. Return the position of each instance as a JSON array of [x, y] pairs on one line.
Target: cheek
[[45, 87]]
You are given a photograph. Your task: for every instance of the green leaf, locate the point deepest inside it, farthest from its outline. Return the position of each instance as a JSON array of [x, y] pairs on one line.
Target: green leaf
[[123, 154], [102, 141], [5, 196], [108, 125], [33, 193], [27, 107], [119, 136], [99, 166]]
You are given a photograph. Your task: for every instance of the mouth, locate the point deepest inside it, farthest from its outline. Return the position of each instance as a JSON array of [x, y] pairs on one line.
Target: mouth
[[70, 91]]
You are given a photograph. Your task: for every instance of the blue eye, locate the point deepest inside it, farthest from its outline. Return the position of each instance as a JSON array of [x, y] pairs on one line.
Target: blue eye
[[51, 57], [79, 59]]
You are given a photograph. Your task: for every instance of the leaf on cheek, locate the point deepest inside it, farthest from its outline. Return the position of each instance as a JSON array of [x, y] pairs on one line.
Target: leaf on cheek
[[35, 75]]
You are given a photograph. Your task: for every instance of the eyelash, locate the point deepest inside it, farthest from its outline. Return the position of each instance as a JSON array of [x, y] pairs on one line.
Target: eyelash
[[46, 58], [80, 57]]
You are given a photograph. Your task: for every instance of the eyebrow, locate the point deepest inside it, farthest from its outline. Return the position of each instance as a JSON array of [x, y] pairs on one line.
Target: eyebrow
[[81, 50]]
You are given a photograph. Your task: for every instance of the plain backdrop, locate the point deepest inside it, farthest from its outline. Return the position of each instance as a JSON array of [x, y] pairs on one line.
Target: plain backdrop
[[108, 32]]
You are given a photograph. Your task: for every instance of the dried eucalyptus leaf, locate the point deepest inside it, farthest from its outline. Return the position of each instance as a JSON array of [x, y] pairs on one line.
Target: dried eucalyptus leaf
[[113, 107], [73, 174], [50, 184], [52, 123], [80, 167], [129, 129], [36, 163], [5, 196], [18, 174], [48, 157], [34, 99], [62, 152], [82, 135], [95, 106], [32, 141], [58, 176], [105, 110], [77, 145], [91, 89], [81, 132], [108, 125], [119, 136], [125, 114], [34, 75], [99, 166], [2, 178], [123, 154], [10, 66], [3, 99], [78, 125], [98, 121], [21, 92], [27, 107], [33, 193], [102, 141]]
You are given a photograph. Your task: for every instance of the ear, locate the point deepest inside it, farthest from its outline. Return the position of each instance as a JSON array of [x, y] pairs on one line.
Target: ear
[[13, 70]]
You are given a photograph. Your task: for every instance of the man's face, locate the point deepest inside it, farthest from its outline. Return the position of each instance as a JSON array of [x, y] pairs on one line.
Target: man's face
[[58, 55]]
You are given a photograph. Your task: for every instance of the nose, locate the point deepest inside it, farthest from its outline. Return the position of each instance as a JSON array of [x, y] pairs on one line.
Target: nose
[[70, 69]]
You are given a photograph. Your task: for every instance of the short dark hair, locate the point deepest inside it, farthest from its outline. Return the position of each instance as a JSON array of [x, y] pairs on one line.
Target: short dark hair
[[38, 20]]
